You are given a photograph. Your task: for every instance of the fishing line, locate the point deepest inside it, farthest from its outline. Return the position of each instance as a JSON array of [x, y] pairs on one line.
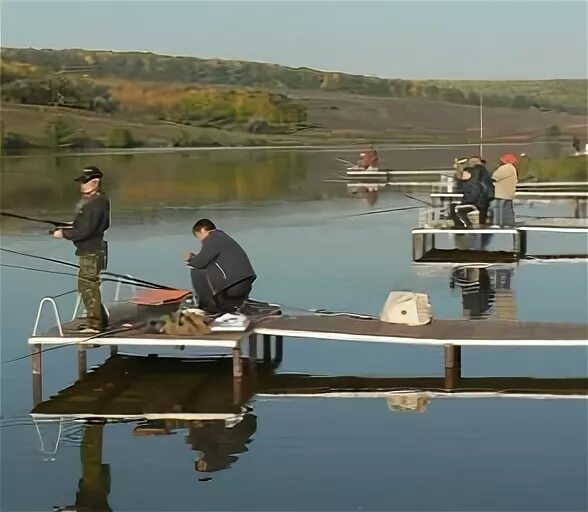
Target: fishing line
[[68, 344], [104, 280], [74, 265]]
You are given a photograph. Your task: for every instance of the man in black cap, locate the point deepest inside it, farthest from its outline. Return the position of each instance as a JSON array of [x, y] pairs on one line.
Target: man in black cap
[[87, 234]]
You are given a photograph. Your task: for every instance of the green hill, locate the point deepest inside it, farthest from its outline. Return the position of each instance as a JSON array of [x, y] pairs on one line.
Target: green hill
[[562, 95]]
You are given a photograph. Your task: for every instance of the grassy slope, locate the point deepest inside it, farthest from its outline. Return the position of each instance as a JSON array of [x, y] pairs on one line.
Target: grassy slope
[[334, 115]]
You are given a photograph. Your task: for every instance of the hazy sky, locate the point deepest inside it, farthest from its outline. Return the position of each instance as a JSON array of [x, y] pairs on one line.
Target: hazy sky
[[498, 39]]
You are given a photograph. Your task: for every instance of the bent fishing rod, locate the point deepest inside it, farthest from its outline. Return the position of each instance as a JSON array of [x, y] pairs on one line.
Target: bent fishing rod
[[74, 265], [56, 223]]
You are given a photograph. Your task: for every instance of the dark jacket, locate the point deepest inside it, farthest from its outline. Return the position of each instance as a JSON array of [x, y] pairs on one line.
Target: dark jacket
[[224, 261], [486, 181], [471, 190], [90, 224]]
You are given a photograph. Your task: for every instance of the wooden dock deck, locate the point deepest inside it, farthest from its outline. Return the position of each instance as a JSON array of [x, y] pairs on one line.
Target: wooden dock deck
[[451, 334]]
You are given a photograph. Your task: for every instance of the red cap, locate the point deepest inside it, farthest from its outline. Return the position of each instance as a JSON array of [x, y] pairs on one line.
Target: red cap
[[509, 158]]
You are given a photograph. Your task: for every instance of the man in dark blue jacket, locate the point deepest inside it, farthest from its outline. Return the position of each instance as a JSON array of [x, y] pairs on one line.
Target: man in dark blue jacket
[[222, 275], [473, 198]]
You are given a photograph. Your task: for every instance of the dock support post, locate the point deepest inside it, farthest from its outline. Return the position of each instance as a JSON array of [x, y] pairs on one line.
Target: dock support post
[[452, 366], [82, 362], [237, 375], [253, 351], [237, 362], [522, 249], [267, 348], [37, 375], [113, 350], [279, 349]]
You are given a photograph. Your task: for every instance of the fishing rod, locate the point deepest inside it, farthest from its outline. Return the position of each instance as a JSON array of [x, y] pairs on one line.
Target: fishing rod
[[416, 199], [54, 272], [386, 210], [73, 265], [56, 223], [69, 344]]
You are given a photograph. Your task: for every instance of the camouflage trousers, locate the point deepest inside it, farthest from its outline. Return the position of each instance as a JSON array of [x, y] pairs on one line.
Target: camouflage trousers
[[91, 264]]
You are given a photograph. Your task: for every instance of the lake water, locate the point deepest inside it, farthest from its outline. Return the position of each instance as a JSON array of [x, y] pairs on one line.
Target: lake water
[[290, 453]]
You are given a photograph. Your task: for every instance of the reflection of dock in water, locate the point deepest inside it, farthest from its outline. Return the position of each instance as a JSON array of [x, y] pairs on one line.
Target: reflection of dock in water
[[166, 396], [486, 291]]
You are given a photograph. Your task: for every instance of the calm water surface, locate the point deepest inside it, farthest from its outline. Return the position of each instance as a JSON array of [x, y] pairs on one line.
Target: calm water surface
[[291, 453]]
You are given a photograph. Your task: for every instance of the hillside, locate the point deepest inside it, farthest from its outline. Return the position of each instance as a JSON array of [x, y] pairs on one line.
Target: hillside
[[80, 98], [565, 95]]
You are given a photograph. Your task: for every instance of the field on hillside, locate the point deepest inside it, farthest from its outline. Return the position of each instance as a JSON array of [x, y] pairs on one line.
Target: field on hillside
[[80, 98]]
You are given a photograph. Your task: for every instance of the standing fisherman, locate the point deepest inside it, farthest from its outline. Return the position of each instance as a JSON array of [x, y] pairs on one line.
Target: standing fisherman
[[87, 234]]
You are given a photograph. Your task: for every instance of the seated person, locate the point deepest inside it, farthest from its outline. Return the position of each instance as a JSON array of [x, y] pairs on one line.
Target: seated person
[[222, 275], [369, 160], [472, 199]]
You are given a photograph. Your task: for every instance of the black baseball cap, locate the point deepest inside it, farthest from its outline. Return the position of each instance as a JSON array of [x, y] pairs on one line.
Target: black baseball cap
[[90, 172]]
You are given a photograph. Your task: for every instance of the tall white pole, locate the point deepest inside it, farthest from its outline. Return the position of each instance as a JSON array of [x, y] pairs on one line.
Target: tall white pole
[[481, 122]]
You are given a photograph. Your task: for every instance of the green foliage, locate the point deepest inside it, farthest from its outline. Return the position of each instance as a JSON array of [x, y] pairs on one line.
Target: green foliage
[[60, 91], [11, 140], [121, 138], [564, 95], [62, 132], [554, 169]]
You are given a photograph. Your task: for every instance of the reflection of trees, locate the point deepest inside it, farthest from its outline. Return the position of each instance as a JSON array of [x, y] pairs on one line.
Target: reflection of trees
[[146, 180]]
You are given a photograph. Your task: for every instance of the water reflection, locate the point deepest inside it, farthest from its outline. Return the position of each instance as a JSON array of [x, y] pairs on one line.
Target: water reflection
[[148, 181], [486, 291]]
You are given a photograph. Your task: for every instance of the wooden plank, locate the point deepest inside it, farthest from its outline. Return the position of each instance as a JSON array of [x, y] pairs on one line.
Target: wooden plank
[[438, 332]]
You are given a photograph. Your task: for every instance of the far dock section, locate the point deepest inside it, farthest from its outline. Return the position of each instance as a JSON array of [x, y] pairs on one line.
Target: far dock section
[[435, 228]]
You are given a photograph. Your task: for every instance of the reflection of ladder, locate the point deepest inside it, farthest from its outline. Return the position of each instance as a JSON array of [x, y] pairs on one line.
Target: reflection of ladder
[[505, 305]]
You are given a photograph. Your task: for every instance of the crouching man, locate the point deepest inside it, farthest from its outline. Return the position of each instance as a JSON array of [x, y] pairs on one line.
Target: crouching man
[[222, 275]]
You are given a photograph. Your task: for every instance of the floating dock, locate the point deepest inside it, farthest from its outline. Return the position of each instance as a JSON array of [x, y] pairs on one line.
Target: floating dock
[[271, 330]]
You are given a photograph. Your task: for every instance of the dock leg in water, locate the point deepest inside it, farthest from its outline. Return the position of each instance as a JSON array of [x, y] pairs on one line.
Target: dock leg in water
[[452, 366], [253, 350], [37, 375], [237, 363], [237, 375], [267, 348], [279, 349], [82, 362], [113, 350]]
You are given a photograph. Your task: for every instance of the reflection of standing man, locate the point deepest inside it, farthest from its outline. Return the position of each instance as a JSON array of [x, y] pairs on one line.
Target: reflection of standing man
[[476, 290], [94, 486], [87, 234]]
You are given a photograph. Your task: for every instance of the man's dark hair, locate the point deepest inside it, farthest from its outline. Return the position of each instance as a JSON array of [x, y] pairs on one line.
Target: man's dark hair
[[206, 224]]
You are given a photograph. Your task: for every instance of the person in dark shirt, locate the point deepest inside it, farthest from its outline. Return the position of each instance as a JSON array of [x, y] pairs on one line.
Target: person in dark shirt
[[471, 188], [87, 234], [222, 275]]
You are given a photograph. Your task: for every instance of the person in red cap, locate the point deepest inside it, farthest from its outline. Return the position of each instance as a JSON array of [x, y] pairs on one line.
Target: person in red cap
[[369, 160], [87, 234], [505, 184]]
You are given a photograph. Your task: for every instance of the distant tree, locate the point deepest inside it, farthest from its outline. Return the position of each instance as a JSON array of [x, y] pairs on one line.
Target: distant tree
[[553, 146], [473, 98], [62, 132], [453, 95], [520, 101], [553, 131], [120, 138], [432, 92]]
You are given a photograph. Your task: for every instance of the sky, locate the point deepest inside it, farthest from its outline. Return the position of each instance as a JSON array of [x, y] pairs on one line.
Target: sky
[[416, 39]]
